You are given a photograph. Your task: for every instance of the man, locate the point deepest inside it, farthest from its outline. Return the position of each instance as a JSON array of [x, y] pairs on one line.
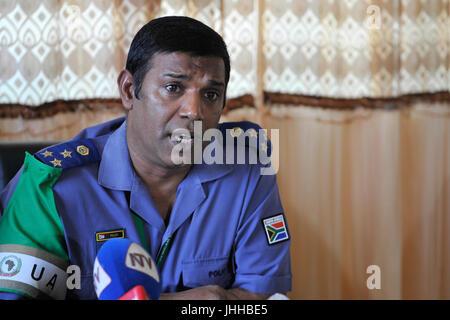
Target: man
[[216, 222]]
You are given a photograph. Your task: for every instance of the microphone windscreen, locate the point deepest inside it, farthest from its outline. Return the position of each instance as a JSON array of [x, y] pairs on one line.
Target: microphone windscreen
[[122, 264]]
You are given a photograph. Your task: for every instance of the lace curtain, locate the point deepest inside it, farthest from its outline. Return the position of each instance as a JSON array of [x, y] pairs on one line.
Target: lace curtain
[[73, 50]]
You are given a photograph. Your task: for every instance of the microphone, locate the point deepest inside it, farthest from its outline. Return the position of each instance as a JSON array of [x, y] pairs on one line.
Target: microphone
[[123, 270], [137, 293]]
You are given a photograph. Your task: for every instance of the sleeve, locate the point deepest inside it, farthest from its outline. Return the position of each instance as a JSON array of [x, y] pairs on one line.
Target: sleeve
[[33, 256], [262, 245], [7, 192]]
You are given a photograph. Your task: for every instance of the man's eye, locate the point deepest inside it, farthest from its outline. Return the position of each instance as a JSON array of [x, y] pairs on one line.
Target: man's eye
[[211, 95], [172, 87]]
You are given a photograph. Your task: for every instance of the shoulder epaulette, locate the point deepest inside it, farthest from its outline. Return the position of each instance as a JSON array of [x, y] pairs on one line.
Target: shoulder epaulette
[[252, 134], [69, 154]]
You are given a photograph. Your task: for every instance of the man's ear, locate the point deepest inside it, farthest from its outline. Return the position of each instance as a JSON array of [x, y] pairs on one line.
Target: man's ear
[[126, 89]]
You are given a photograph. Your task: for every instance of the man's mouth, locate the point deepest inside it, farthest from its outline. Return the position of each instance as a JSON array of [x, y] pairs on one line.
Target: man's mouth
[[182, 136], [183, 139]]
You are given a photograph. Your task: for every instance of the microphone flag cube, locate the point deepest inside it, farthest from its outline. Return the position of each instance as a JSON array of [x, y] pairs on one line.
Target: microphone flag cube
[[120, 266]]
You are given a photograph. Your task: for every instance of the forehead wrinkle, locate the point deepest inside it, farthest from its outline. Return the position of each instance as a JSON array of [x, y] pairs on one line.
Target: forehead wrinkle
[[187, 76], [183, 69]]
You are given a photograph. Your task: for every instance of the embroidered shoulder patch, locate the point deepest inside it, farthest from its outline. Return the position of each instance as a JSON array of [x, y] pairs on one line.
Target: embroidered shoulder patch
[[275, 229]]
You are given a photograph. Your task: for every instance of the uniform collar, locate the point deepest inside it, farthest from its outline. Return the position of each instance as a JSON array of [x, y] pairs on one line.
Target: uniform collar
[[206, 173], [116, 171]]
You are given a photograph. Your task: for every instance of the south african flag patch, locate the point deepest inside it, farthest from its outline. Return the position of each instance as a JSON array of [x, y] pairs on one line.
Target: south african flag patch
[[275, 228]]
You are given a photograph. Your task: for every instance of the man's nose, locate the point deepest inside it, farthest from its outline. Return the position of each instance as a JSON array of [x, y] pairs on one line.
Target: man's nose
[[191, 106]]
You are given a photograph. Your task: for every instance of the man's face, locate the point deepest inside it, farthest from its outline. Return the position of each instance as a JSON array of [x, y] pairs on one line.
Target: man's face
[[177, 90]]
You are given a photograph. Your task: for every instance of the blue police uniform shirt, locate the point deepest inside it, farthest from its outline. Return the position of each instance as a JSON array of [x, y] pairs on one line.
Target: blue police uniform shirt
[[220, 223]]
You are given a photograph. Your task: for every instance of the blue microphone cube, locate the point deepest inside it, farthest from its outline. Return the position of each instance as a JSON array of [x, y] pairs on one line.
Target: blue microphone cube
[[122, 264]]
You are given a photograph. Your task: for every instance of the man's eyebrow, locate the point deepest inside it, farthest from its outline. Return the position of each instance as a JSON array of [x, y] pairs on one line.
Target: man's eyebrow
[[216, 83], [176, 75], [185, 76]]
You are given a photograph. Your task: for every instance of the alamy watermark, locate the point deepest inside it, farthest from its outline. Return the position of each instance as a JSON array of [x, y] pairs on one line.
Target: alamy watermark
[[373, 20], [236, 147], [374, 280]]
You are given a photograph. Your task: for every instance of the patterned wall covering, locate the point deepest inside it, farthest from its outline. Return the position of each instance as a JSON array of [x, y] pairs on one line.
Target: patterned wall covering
[[356, 48], [63, 50], [71, 50]]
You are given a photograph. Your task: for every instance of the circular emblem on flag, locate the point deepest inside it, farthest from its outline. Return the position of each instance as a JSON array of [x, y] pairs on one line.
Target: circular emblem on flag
[[10, 266], [83, 150]]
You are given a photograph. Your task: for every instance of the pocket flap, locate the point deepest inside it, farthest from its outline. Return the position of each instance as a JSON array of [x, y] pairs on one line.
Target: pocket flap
[[204, 272]]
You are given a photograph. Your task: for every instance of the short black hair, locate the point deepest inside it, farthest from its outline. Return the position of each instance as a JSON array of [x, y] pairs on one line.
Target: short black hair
[[173, 34]]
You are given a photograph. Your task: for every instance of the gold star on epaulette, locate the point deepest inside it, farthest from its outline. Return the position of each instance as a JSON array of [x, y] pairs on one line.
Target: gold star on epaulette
[[56, 163], [47, 154], [235, 132], [264, 134], [66, 153], [253, 133], [264, 147]]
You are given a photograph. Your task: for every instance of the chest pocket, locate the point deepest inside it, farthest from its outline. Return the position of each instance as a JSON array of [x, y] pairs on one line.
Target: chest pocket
[[197, 273]]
